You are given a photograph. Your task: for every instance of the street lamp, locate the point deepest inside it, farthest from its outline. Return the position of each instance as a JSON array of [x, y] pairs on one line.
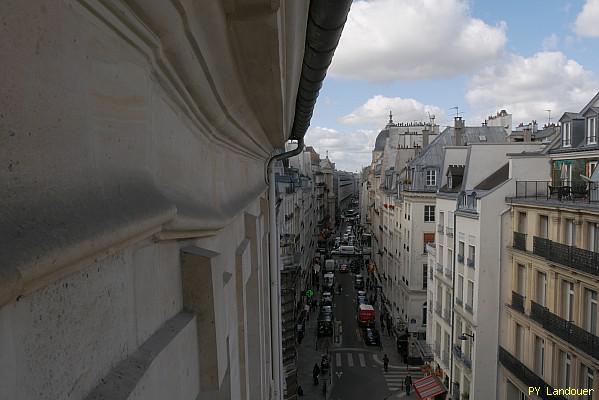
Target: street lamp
[[465, 336]]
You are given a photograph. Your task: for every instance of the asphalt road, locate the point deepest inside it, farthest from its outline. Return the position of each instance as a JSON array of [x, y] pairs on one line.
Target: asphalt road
[[356, 375]]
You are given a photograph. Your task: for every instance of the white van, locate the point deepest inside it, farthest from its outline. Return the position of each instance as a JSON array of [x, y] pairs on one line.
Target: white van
[[329, 266]]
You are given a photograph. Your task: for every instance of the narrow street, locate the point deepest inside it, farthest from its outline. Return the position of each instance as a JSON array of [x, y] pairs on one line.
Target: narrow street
[[356, 368]]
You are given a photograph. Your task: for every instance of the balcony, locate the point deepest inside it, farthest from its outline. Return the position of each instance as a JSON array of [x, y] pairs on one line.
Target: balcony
[[439, 268], [468, 307], [470, 262], [461, 258], [525, 375], [449, 231], [440, 228], [467, 362], [448, 272], [438, 309], [438, 349], [566, 330], [520, 241], [569, 256], [457, 352], [518, 302], [459, 301], [430, 273], [566, 191]]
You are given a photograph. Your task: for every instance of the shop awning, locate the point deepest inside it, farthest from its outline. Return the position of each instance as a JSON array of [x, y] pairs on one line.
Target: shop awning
[[428, 387]]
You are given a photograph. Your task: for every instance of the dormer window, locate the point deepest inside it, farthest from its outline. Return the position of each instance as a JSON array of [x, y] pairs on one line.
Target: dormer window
[[449, 181], [431, 177], [592, 130], [567, 134]]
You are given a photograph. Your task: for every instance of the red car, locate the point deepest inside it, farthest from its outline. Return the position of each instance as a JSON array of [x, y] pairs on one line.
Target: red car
[[344, 268]]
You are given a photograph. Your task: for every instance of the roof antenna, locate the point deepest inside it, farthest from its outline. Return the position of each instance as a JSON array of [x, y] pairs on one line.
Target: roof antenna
[[457, 111], [390, 117], [549, 117]]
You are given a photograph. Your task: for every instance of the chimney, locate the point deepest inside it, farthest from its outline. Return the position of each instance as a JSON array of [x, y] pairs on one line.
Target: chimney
[[425, 137], [459, 131], [527, 135]]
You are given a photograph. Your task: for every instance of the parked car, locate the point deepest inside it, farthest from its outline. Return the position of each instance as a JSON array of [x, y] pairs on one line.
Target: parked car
[[325, 325], [346, 250], [371, 337], [343, 268], [359, 282], [326, 298], [329, 281]]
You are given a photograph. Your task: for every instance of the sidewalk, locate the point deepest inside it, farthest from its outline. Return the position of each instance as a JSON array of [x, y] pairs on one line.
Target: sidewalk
[[307, 356]]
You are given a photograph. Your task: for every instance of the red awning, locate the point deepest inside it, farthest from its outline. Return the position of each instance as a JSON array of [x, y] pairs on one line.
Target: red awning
[[428, 387]]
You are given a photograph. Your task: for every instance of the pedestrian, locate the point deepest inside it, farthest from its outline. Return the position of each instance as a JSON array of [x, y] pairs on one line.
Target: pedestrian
[[386, 362], [307, 311], [382, 319], [388, 328], [315, 373], [408, 384]]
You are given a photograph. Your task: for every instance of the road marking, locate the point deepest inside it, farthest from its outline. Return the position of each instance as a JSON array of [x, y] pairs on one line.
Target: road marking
[[350, 359], [339, 373], [338, 359], [362, 360]]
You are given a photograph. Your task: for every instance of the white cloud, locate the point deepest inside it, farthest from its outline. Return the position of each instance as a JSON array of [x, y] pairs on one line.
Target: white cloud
[[587, 22], [387, 40], [375, 111], [350, 151], [550, 42], [527, 87]]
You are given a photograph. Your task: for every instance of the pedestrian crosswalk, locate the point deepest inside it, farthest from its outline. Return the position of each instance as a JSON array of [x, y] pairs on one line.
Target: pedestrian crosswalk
[[353, 359], [395, 378]]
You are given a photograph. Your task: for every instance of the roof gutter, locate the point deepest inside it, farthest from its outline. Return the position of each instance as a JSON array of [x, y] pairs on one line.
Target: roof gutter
[[326, 19]]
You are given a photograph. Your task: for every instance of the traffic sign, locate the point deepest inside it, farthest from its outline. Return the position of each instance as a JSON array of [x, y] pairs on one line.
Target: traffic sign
[[309, 293]]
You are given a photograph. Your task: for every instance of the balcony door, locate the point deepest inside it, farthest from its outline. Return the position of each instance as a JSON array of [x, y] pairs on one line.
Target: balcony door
[[567, 300], [541, 288]]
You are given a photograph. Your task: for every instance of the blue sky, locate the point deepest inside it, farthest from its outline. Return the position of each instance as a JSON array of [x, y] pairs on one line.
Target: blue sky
[[426, 56]]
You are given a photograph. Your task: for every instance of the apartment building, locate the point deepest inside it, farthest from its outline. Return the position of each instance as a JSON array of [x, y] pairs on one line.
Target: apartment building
[[549, 322]]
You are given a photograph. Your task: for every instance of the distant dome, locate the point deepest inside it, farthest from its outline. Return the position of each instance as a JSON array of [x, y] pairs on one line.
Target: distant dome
[[381, 139]]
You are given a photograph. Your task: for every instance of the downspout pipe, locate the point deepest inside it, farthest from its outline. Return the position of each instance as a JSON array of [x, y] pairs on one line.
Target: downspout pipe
[[275, 274]]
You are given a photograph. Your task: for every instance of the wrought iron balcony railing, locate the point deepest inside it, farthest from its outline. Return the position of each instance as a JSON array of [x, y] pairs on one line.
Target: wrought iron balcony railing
[[461, 258], [449, 231], [586, 192], [467, 362], [448, 272], [470, 262], [520, 241], [468, 307], [518, 302], [566, 330], [524, 374], [447, 315], [439, 268], [457, 351], [440, 228], [438, 309], [459, 301], [570, 256]]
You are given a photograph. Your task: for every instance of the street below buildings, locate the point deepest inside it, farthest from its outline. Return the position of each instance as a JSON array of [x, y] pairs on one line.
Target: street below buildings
[[356, 371]]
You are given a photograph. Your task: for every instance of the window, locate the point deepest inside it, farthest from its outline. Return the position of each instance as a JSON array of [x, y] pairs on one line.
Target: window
[[544, 226], [592, 130], [586, 378], [570, 232], [450, 258], [428, 238], [522, 222], [424, 313], [440, 255], [590, 311], [521, 280], [519, 342], [461, 252], [429, 213], [541, 288], [567, 135], [567, 300], [471, 255], [460, 292], [593, 236], [470, 299], [565, 366], [424, 275], [513, 393], [539, 355], [431, 177]]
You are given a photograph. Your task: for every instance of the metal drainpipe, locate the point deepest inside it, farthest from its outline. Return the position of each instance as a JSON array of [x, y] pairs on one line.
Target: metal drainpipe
[[455, 234], [275, 275]]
